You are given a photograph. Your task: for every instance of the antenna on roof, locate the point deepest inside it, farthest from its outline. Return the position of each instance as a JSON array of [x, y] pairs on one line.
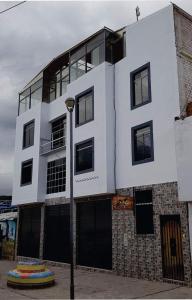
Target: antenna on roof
[[137, 12]]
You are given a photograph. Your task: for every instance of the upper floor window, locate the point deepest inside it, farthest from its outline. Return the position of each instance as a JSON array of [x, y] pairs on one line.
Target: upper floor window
[[28, 134], [58, 135], [26, 172], [84, 107], [84, 156], [144, 212], [56, 176], [58, 83], [30, 97], [140, 86], [142, 143]]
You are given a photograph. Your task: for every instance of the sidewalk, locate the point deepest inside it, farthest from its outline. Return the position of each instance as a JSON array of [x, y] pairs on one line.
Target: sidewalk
[[93, 285]]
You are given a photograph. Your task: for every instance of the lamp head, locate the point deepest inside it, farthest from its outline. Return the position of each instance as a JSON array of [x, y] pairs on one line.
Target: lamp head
[[70, 102]]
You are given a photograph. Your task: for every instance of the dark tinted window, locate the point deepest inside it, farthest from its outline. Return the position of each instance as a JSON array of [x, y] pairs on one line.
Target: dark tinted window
[[28, 134], [26, 172], [142, 143], [84, 156], [84, 107], [140, 86], [144, 212]]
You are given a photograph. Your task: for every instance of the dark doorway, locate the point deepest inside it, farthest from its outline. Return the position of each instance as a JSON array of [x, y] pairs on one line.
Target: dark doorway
[[172, 254], [94, 234], [29, 231], [57, 233]]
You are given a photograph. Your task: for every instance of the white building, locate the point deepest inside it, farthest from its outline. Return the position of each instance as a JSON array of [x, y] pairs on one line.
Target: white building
[[132, 159]]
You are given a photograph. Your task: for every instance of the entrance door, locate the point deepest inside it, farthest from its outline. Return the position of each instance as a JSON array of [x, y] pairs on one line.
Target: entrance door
[[172, 254], [94, 234], [57, 233]]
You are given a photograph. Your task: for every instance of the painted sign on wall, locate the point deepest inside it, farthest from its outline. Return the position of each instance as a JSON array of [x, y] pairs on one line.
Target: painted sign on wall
[[122, 202]]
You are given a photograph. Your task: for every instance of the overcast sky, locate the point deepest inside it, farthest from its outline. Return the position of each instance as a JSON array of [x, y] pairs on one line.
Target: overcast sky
[[35, 32]]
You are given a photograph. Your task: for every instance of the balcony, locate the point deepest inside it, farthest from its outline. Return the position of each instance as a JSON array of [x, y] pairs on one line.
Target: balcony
[[57, 143]]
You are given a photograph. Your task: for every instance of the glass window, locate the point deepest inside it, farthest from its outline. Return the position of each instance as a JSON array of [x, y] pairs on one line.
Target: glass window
[[77, 69], [144, 212], [52, 91], [84, 153], [36, 97], [28, 134], [24, 105], [142, 143], [84, 107], [56, 176], [26, 172], [140, 86], [93, 58], [58, 135]]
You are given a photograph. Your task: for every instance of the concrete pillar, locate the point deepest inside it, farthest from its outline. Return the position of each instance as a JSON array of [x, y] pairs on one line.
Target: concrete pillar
[[42, 231]]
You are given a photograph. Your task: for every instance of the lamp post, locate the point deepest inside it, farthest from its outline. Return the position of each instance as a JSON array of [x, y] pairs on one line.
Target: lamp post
[[70, 102]]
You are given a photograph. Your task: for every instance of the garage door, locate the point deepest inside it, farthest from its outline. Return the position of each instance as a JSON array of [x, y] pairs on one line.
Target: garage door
[[94, 234], [57, 233]]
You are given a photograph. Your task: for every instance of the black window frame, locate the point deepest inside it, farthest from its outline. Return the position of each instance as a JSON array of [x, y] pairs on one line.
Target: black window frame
[[133, 130], [142, 228], [77, 97], [93, 157], [132, 86], [24, 128], [29, 182]]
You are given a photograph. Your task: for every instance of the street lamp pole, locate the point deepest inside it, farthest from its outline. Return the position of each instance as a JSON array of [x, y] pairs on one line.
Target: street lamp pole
[[70, 106]]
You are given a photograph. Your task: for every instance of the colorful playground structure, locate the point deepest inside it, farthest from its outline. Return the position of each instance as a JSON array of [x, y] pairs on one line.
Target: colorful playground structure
[[30, 274]]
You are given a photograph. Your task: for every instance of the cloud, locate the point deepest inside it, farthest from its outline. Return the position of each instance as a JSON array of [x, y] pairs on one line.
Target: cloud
[[34, 33]]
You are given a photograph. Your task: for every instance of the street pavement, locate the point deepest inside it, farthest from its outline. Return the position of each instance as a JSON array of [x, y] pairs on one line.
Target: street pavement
[[93, 285]]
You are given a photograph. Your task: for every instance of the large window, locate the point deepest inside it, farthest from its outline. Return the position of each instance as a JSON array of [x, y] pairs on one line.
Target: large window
[[84, 156], [56, 176], [58, 83], [31, 96], [140, 86], [142, 143], [144, 212], [28, 134], [26, 172], [84, 107], [58, 135]]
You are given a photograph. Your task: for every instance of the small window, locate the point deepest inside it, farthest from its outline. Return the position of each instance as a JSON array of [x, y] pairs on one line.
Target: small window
[[142, 143], [84, 107], [56, 176], [140, 86], [144, 212], [26, 172], [84, 156], [28, 134]]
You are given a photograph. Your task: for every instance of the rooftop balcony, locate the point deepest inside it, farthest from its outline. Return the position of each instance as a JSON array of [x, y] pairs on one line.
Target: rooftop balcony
[[52, 81], [57, 143]]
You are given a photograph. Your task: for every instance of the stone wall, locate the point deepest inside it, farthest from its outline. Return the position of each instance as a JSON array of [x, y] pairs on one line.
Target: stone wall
[[183, 29], [141, 256]]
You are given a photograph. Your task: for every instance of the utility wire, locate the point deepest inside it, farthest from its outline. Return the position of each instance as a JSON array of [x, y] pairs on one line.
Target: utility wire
[[1, 12]]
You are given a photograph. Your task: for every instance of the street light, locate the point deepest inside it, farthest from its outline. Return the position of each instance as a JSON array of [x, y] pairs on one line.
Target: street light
[[70, 102]]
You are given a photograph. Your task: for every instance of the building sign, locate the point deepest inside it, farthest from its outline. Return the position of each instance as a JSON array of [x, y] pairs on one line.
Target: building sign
[[122, 202]]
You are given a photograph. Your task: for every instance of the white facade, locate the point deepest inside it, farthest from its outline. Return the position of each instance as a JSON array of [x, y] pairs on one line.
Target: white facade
[[101, 180], [149, 40]]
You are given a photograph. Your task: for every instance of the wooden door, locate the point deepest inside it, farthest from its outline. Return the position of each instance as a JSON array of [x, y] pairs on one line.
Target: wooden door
[[172, 255]]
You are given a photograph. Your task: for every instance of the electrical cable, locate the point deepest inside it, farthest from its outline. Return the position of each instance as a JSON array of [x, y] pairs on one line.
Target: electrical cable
[[3, 11]]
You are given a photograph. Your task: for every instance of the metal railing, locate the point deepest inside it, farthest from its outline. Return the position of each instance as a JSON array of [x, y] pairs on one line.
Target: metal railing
[[58, 141]]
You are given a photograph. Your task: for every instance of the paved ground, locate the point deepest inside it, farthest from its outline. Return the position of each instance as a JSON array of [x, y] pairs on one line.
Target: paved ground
[[93, 285]]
